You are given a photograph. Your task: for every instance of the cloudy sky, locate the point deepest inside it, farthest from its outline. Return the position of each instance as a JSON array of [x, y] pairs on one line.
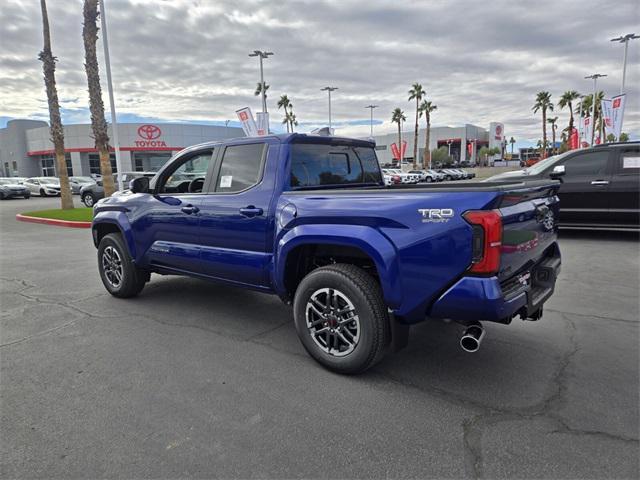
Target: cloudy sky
[[479, 61]]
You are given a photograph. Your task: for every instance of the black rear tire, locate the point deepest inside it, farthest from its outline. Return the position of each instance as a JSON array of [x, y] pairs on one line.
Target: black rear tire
[[373, 328], [113, 257], [88, 199]]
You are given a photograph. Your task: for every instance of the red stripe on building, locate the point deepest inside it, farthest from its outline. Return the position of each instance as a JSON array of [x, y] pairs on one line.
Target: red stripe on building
[[93, 150]]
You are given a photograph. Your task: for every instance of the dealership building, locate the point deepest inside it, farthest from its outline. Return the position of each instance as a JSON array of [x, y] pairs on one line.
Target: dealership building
[[26, 149], [462, 142]]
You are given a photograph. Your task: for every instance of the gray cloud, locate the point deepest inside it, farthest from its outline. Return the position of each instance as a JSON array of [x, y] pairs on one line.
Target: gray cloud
[[187, 59]]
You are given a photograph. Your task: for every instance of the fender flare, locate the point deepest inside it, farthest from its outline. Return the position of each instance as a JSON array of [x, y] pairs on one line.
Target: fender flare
[[121, 222], [367, 239]]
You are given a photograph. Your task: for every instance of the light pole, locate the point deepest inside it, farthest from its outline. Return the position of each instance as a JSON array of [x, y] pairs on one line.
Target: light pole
[[226, 128], [112, 103], [371, 107], [329, 90], [449, 145], [595, 78], [625, 39], [262, 54]]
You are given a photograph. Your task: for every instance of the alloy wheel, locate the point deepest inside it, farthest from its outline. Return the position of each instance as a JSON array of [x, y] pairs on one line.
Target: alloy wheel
[[112, 266]]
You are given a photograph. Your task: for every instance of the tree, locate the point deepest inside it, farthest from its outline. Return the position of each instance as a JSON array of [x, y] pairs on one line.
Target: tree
[[426, 107], [624, 137], [611, 137], [96, 106], [512, 141], [587, 104], [553, 122], [259, 89], [566, 100], [543, 103], [397, 116], [440, 156], [57, 132], [416, 93], [285, 103]]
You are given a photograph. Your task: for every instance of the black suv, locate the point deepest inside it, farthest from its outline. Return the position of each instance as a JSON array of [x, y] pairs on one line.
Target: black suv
[[600, 185]]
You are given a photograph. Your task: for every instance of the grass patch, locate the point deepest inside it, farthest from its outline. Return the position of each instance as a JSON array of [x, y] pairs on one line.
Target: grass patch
[[74, 215]]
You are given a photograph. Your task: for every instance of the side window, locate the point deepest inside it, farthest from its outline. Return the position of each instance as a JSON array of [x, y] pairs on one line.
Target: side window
[[370, 164], [587, 164], [241, 167], [188, 176], [316, 165], [628, 162]]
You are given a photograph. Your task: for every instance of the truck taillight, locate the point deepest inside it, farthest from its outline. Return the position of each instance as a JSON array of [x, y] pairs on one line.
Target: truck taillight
[[487, 240]]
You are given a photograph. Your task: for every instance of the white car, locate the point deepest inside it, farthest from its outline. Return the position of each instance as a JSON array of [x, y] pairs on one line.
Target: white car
[[404, 177], [43, 186]]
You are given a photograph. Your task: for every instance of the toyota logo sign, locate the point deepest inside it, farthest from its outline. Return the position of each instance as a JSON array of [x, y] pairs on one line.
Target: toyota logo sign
[[149, 132]]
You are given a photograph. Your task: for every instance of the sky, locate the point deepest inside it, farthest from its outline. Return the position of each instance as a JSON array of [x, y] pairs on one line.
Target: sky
[[187, 60]]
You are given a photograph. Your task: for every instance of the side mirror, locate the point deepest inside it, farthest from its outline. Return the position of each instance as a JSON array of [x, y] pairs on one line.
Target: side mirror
[[557, 172], [139, 185]]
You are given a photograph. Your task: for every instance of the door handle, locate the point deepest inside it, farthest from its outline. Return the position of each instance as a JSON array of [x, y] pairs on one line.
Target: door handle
[[189, 209], [251, 211], [600, 182]]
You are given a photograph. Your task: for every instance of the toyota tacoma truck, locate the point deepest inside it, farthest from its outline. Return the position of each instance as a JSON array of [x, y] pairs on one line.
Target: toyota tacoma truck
[[309, 218]]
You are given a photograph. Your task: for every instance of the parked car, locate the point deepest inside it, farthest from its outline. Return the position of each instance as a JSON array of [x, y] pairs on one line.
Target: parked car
[[43, 186], [90, 193], [404, 177], [391, 179], [292, 215], [76, 183], [600, 185], [437, 175], [424, 175], [9, 188], [450, 174]]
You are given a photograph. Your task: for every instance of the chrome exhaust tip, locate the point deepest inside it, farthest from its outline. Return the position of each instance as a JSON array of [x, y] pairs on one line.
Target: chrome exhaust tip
[[471, 338]]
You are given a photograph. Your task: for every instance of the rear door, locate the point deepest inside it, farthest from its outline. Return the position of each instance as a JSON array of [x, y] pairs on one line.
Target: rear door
[[584, 193], [234, 215], [624, 190]]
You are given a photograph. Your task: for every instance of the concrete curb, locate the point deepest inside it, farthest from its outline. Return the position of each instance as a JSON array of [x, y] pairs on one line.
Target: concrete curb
[[52, 221]]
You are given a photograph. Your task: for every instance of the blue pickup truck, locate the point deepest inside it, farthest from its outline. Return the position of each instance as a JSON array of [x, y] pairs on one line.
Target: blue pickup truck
[[309, 218]]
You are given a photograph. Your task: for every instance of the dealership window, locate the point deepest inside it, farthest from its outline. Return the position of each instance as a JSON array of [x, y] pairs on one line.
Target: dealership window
[[381, 147], [94, 163], [48, 164], [149, 162]]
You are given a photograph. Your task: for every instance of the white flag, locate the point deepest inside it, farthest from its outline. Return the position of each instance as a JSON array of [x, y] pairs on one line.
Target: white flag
[[617, 112], [587, 127], [607, 115], [248, 123], [263, 123]]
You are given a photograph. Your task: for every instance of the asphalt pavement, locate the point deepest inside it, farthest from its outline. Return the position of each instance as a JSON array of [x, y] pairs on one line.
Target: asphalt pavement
[[193, 379]]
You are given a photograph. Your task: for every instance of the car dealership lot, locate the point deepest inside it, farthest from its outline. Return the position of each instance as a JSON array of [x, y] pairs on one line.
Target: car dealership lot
[[195, 379]]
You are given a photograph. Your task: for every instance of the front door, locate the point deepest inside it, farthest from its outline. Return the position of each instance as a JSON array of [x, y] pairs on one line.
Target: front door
[[624, 190], [234, 216], [584, 193], [167, 229]]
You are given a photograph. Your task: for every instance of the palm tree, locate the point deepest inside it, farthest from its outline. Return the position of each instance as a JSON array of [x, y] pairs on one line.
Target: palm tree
[[57, 133], [96, 106], [427, 107], [554, 127], [397, 116], [512, 141], [587, 103], [543, 103], [416, 93], [285, 103], [566, 100], [259, 90]]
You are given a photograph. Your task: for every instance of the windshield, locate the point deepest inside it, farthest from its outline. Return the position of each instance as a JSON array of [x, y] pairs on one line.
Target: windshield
[[49, 181], [543, 164], [83, 179]]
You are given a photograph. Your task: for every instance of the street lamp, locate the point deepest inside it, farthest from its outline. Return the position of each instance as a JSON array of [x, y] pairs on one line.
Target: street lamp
[[595, 78], [262, 54], [625, 39], [449, 145], [329, 90], [371, 107]]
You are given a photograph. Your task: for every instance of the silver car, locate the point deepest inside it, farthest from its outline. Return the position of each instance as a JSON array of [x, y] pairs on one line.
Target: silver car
[[76, 183], [43, 186]]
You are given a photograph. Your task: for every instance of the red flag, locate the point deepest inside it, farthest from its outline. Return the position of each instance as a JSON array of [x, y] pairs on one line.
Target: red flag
[[394, 151], [573, 139], [403, 149]]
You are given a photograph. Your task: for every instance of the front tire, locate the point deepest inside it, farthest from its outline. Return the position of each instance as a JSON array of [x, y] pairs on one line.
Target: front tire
[[119, 275], [42, 193], [88, 199], [341, 318]]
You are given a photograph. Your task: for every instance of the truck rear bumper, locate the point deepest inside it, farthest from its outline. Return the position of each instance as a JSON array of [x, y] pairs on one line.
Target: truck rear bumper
[[486, 298]]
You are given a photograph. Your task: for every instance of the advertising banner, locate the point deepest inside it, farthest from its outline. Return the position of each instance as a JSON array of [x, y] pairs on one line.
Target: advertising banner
[[607, 115], [395, 152], [248, 123], [574, 140], [586, 130], [403, 149], [617, 112], [263, 123]]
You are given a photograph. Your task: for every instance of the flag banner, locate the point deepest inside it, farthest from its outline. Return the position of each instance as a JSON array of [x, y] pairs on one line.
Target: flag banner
[[607, 116], [263, 123], [574, 139], [617, 112], [395, 152], [403, 149], [587, 128], [248, 123]]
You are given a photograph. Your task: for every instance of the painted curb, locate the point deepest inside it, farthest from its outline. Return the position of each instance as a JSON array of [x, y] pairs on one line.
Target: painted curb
[[52, 221]]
